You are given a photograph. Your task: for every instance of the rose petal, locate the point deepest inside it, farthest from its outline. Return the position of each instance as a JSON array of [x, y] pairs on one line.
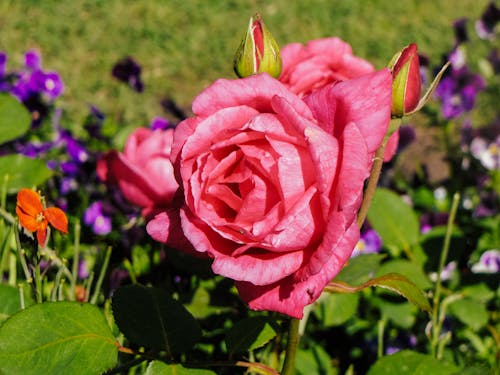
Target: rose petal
[[391, 146], [263, 268], [255, 91], [365, 101], [289, 296]]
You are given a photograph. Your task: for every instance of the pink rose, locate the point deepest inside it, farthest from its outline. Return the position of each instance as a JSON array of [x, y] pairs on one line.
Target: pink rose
[[272, 183], [318, 63], [143, 172], [321, 62]]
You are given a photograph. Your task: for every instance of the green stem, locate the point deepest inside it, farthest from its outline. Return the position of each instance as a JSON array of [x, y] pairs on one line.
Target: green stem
[[38, 283], [38, 275], [436, 327], [380, 338], [104, 268], [21, 254], [21, 296], [291, 347], [371, 186], [76, 260]]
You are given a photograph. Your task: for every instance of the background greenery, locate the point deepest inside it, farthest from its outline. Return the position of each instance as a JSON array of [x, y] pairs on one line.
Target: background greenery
[[183, 45]]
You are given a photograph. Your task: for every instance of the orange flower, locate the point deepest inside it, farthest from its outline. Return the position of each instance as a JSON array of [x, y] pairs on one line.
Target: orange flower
[[34, 218]]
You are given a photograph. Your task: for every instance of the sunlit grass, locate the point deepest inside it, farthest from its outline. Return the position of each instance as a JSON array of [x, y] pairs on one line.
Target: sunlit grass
[[183, 45]]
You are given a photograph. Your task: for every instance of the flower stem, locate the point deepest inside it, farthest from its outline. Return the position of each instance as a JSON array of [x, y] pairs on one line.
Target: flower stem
[[76, 260], [436, 326], [38, 275], [291, 347], [371, 186], [100, 279], [380, 337]]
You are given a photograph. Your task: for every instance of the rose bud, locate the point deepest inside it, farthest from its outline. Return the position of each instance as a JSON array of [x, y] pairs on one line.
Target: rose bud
[[407, 84], [258, 51]]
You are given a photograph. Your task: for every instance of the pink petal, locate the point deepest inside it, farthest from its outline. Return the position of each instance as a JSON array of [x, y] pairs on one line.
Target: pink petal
[[159, 227], [260, 269], [391, 146], [255, 91], [166, 228], [298, 227], [365, 101], [220, 125], [355, 168], [182, 131], [290, 296]]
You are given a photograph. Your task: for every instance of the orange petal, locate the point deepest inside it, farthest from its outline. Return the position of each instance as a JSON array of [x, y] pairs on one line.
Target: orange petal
[[41, 233], [27, 221], [29, 201], [57, 218]]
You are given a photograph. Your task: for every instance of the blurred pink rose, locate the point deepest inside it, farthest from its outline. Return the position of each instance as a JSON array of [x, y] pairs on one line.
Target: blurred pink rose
[[143, 172], [318, 63], [272, 183]]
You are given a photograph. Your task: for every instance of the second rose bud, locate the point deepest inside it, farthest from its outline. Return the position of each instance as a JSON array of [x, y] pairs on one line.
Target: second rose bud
[[407, 83]]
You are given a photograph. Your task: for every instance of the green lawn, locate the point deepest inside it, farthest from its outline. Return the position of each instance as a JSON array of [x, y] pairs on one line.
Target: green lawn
[[183, 45]]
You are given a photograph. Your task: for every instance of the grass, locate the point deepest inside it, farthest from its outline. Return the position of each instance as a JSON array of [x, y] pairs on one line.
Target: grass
[[183, 45]]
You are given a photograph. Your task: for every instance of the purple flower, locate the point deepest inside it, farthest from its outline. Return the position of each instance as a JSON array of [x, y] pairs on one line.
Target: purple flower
[[406, 136], [488, 205], [446, 273], [5, 85], [3, 64], [159, 123], [129, 71], [429, 220], [494, 60], [49, 84], [488, 263], [460, 29], [370, 242], [33, 150], [95, 217], [32, 60], [83, 269], [21, 88], [488, 153], [76, 151], [485, 26], [458, 90], [457, 57], [67, 185]]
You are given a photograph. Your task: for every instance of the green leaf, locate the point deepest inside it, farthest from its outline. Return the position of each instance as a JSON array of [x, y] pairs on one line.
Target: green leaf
[[161, 368], [15, 120], [404, 267], [336, 309], [20, 171], [314, 360], [407, 362], [475, 370], [150, 317], [392, 281], [470, 312], [250, 333], [200, 306], [359, 269], [394, 220], [479, 292], [57, 338], [11, 301], [401, 314]]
